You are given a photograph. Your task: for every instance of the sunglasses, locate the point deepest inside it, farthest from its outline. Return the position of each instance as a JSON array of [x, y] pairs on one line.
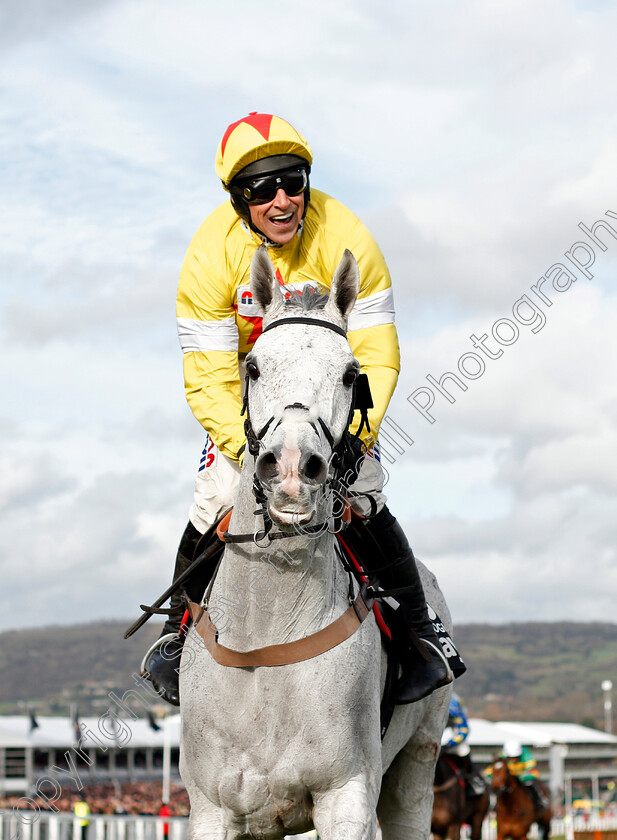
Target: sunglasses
[[262, 190]]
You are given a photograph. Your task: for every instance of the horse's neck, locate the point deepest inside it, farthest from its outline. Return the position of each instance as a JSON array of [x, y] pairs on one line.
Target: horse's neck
[[443, 770], [277, 594], [513, 789]]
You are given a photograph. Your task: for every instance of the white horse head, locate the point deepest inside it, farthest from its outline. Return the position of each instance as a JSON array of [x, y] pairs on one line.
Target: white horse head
[[300, 411]]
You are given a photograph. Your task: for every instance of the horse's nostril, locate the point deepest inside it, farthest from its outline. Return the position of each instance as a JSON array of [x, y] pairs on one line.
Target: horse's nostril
[[266, 467], [315, 469]]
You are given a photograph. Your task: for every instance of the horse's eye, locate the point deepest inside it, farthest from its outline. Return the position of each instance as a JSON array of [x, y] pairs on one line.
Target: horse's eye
[[252, 370], [350, 376]]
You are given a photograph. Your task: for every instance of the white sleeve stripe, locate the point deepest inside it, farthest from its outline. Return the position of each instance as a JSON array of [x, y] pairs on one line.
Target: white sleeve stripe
[[372, 311], [199, 336]]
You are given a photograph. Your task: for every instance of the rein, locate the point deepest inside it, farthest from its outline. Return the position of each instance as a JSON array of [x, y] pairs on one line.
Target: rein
[[457, 778]]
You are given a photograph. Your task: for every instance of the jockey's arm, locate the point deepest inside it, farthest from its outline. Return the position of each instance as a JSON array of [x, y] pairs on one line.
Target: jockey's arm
[[461, 729], [209, 338], [523, 769], [213, 391], [528, 766], [376, 348], [371, 331]]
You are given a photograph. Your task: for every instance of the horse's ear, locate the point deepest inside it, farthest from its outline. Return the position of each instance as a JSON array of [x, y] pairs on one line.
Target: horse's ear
[[345, 285], [264, 285]]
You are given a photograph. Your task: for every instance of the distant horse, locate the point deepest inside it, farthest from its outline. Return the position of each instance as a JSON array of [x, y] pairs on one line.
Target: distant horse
[[454, 803], [276, 747], [516, 810]]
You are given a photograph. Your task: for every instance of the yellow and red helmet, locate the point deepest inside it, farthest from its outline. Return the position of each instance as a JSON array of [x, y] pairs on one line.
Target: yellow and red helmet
[[255, 137]]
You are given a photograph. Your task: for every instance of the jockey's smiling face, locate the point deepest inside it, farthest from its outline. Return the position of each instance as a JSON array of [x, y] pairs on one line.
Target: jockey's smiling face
[[280, 218]]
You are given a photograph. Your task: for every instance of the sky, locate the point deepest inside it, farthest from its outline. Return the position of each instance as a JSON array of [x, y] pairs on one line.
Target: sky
[[471, 137]]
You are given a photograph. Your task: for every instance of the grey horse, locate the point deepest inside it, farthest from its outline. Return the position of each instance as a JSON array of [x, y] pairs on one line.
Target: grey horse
[[275, 750]]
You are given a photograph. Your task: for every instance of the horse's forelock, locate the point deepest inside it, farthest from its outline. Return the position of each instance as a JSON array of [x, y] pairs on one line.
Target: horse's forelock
[[300, 302], [307, 300]]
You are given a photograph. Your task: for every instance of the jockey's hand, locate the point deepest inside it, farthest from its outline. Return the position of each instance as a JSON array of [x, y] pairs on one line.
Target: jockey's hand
[[353, 456]]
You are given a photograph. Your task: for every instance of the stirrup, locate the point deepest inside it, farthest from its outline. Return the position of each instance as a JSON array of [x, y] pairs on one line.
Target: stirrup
[[437, 650], [417, 678], [160, 641]]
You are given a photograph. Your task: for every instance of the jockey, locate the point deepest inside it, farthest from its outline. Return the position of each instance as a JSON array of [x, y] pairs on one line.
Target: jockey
[[522, 764], [454, 743], [454, 740], [264, 164]]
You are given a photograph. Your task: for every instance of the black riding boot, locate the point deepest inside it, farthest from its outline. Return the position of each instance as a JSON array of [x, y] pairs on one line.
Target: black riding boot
[[536, 796], [422, 670], [160, 662]]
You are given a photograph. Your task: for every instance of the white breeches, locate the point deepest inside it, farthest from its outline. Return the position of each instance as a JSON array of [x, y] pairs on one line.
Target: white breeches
[[462, 749]]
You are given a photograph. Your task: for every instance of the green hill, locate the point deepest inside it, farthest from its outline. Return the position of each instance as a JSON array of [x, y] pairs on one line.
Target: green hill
[[539, 671], [50, 668]]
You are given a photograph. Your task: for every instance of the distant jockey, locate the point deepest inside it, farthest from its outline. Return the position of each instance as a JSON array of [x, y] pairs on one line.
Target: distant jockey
[[522, 764], [454, 744], [454, 738]]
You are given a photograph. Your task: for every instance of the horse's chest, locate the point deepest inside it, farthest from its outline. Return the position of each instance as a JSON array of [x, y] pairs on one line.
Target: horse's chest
[[286, 728], [261, 777], [288, 732]]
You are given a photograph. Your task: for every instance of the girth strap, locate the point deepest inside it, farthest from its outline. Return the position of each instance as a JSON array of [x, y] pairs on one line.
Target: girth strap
[[284, 654]]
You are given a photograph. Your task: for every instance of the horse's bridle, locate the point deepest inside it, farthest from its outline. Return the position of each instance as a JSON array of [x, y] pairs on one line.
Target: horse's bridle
[[339, 480], [253, 440]]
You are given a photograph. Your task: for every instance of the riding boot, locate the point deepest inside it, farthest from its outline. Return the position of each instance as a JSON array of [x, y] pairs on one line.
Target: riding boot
[[536, 796], [161, 661], [424, 665]]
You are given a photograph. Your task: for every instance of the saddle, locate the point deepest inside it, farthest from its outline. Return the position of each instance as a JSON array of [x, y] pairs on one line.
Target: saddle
[[464, 774]]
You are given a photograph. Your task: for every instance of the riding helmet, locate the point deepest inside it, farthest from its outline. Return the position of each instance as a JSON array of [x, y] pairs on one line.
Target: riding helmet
[[260, 144]]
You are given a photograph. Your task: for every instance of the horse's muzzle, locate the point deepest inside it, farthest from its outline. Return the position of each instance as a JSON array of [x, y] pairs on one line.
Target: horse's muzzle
[[309, 468], [291, 476]]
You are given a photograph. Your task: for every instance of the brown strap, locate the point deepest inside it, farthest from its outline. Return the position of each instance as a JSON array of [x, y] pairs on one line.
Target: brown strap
[[285, 654]]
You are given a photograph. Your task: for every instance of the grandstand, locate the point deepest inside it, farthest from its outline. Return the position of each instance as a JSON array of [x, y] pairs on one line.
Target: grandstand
[[96, 748], [109, 750]]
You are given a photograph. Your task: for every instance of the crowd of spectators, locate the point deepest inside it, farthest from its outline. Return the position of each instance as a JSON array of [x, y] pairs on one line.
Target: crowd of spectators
[[135, 798]]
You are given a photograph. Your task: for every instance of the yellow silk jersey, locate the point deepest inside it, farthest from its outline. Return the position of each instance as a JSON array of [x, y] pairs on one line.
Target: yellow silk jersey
[[218, 321]]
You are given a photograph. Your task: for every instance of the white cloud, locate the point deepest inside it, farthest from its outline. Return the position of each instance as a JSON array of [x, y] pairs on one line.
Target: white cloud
[[25, 20], [507, 495], [472, 139], [552, 558]]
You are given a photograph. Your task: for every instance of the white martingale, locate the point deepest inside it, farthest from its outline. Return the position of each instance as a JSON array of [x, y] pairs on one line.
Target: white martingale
[[273, 751], [200, 336], [372, 311]]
